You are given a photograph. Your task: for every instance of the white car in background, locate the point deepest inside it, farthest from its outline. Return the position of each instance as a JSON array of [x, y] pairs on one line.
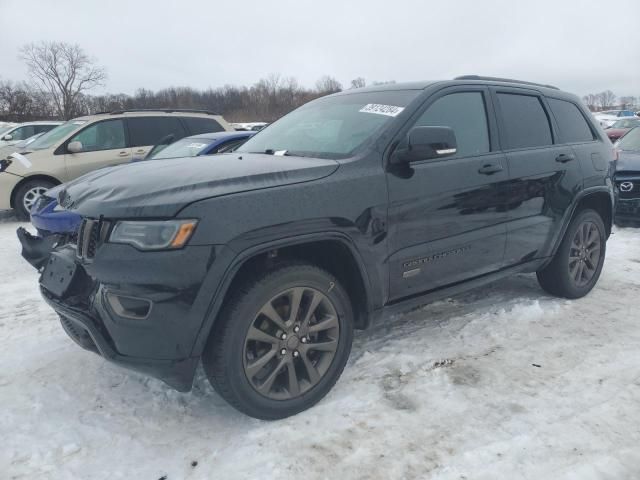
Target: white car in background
[[22, 131], [609, 117]]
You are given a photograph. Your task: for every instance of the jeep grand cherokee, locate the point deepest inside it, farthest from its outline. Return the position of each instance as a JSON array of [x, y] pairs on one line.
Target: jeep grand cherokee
[[352, 207]]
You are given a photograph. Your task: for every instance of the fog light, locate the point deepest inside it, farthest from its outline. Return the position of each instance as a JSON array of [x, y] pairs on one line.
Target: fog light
[[129, 307]]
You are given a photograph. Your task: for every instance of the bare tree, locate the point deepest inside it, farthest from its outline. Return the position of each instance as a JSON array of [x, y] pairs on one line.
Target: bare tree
[[63, 71], [591, 101], [358, 82], [327, 84], [606, 99]]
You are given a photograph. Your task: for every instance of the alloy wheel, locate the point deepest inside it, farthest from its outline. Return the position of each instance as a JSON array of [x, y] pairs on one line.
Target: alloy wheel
[[584, 254], [291, 343]]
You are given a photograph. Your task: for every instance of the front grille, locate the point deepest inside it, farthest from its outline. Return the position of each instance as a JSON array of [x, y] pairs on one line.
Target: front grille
[[91, 234], [628, 187], [628, 207]]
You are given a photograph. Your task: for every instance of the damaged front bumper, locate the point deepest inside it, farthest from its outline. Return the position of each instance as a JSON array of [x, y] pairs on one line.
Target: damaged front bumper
[[36, 250], [142, 310]]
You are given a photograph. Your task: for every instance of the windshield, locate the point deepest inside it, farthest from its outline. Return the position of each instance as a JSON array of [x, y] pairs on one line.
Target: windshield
[[631, 141], [53, 136], [29, 140], [331, 127], [186, 147]]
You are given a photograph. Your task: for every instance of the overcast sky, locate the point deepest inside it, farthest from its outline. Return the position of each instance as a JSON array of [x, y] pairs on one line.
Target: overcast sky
[[579, 45]]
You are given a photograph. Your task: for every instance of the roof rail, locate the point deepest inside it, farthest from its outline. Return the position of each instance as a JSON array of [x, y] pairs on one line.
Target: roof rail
[[507, 80], [163, 110]]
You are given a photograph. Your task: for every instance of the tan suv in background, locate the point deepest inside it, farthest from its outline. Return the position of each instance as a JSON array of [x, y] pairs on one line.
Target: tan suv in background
[[87, 143]]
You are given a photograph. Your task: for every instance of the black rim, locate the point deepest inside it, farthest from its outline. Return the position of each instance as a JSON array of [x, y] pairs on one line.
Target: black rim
[[291, 343], [584, 255]]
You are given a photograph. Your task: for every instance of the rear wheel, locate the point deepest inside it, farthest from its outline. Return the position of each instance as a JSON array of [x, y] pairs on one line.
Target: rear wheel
[[27, 195], [577, 264], [281, 342]]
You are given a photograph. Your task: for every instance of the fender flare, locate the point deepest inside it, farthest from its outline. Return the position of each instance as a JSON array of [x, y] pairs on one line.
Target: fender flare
[[570, 213], [239, 260]]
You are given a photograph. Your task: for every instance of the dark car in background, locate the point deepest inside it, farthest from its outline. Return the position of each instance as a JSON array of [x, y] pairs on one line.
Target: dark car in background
[[627, 179], [620, 127], [353, 207]]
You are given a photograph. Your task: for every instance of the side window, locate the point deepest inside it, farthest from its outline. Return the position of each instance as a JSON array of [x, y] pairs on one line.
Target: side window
[[22, 133], [465, 113], [107, 135], [42, 128], [146, 131], [525, 121], [197, 125], [571, 122]]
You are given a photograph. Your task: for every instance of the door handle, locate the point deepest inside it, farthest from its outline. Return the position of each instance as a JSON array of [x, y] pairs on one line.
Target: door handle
[[565, 157], [490, 169], [123, 154], [141, 151]]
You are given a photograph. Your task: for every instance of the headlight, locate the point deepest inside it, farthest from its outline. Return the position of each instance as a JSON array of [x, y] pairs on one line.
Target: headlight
[[153, 235]]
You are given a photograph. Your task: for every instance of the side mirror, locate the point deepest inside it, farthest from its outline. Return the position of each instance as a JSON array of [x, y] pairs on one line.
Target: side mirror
[[7, 137], [424, 143], [74, 147]]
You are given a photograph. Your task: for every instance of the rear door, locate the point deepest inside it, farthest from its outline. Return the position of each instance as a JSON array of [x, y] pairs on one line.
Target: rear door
[[104, 143], [447, 218], [544, 174], [146, 131]]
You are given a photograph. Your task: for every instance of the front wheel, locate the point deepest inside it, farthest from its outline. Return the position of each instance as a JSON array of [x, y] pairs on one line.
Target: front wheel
[[281, 342], [577, 264]]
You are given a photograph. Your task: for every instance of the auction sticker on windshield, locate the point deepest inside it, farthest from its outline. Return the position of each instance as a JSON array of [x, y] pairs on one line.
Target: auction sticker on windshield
[[388, 110]]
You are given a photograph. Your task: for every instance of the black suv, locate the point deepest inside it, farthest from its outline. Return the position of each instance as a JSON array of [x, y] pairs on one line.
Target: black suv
[[263, 262]]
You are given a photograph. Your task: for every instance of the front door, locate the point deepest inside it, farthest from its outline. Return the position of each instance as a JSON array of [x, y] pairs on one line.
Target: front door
[[447, 217], [103, 144]]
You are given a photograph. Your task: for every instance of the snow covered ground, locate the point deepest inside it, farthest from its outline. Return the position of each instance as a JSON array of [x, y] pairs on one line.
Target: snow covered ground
[[501, 383]]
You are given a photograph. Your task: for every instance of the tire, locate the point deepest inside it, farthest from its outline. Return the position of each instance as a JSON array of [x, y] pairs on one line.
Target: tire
[[236, 349], [573, 272], [26, 195]]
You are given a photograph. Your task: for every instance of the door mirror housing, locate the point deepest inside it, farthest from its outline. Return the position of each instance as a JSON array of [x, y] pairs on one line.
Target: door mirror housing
[[7, 137], [74, 147], [425, 143]]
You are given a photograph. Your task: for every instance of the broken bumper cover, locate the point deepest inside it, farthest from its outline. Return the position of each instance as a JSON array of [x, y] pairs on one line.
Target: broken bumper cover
[[36, 250], [81, 327], [142, 310]]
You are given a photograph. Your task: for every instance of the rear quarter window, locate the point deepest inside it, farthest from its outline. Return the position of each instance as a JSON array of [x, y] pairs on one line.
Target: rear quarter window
[[197, 125], [524, 120], [571, 122]]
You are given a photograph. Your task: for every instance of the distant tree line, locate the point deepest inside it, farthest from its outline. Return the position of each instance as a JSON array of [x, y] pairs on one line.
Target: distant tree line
[[62, 76], [607, 100]]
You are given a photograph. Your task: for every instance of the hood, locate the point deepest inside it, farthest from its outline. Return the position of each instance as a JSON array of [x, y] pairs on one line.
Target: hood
[[628, 162], [162, 188]]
